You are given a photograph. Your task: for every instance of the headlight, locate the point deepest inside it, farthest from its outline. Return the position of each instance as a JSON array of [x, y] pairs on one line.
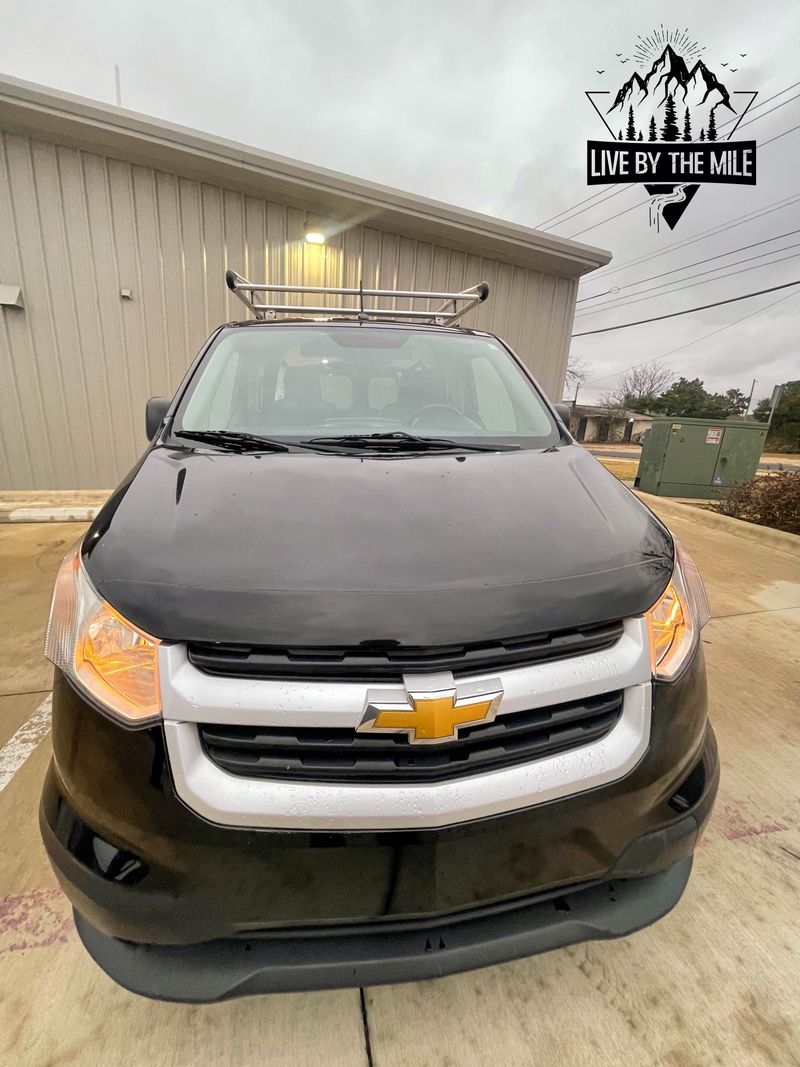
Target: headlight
[[107, 656], [677, 617]]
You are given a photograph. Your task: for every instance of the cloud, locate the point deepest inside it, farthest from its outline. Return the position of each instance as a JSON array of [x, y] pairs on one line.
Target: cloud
[[479, 105]]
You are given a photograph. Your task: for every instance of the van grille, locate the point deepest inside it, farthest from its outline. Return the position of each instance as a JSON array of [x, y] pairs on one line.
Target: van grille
[[342, 755], [387, 663]]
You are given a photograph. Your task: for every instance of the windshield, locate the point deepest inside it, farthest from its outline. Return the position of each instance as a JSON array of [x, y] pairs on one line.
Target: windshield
[[300, 382]]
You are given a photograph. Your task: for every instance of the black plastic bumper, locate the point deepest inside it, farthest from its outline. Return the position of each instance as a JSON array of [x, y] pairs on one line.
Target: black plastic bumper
[[154, 882], [377, 953]]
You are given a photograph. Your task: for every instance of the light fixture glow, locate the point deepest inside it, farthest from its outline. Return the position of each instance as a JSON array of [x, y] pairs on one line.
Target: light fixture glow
[[315, 237]]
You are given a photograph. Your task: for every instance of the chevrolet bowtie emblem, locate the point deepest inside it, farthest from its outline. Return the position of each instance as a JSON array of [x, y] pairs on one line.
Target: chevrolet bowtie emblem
[[431, 708]]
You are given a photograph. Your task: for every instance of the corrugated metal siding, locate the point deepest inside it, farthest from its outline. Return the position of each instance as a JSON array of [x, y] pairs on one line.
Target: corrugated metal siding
[[79, 362]]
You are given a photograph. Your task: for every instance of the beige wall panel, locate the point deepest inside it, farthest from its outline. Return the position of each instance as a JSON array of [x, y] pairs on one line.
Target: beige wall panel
[[39, 370], [22, 407], [78, 363]]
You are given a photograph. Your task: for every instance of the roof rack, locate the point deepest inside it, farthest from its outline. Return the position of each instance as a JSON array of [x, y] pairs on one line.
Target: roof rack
[[454, 307]]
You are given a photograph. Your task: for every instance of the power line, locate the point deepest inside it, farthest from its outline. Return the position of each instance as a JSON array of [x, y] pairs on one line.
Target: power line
[[783, 103], [617, 190], [778, 136], [697, 340], [712, 230], [761, 104], [594, 196], [636, 298], [688, 311], [699, 262], [568, 210], [611, 218]]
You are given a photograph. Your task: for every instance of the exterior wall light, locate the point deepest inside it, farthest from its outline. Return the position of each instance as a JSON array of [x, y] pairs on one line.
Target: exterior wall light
[[314, 230]]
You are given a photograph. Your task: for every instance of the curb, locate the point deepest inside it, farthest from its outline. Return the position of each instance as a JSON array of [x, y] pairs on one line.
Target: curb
[[57, 514], [750, 531]]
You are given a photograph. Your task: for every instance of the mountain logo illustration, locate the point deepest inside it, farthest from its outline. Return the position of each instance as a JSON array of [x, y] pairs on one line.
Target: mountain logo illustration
[[671, 123]]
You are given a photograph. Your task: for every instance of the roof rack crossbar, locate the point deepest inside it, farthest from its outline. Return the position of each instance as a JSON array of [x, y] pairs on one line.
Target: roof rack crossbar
[[449, 312], [383, 313]]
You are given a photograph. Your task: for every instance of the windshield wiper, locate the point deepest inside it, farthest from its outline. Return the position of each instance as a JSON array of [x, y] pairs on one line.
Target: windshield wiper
[[396, 441], [233, 440], [399, 440]]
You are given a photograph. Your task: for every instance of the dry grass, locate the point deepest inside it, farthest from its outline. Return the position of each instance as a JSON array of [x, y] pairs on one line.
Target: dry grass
[[624, 469]]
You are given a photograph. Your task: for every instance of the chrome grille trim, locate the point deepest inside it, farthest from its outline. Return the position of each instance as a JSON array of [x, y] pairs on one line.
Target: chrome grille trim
[[191, 697]]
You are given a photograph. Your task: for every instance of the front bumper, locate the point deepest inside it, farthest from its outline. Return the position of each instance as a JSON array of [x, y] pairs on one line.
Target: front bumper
[[141, 866], [377, 953]]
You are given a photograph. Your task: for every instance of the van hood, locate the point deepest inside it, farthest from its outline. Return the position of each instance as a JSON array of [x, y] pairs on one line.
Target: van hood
[[306, 549]]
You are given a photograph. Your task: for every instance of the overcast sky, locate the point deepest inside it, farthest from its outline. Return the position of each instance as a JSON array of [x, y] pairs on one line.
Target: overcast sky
[[481, 105]]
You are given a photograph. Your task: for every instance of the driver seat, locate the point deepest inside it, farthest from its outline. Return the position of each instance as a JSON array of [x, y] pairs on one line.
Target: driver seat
[[416, 387]]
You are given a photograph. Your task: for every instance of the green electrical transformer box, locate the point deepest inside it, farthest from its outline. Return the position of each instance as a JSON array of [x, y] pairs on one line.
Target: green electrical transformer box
[[698, 457]]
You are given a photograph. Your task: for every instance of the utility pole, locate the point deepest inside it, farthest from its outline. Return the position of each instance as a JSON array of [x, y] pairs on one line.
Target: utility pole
[[118, 84], [750, 398], [777, 393]]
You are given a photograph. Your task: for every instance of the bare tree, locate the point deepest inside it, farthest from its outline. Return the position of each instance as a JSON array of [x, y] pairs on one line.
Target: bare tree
[[637, 387], [577, 370], [576, 374]]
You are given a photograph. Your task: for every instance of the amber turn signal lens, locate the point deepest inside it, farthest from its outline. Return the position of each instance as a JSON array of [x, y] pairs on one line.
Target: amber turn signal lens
[[119, 664], [675, 620], [667, 624], [108, 657]]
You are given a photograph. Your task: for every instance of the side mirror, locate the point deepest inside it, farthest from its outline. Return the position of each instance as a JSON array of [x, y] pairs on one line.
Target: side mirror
[[564, 413], [157, 407]]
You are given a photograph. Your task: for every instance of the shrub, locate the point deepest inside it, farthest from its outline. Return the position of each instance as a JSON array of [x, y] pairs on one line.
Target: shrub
[[781, 444], [771, 500]]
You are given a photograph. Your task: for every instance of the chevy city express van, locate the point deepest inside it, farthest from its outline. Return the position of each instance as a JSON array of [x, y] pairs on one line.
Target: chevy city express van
[[368, 672]]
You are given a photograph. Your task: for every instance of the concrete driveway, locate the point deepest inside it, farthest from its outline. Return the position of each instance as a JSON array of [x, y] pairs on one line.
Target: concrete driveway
[[716, 982]]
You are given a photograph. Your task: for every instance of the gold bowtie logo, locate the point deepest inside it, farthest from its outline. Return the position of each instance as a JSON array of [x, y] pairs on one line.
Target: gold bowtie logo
[[430, 717]]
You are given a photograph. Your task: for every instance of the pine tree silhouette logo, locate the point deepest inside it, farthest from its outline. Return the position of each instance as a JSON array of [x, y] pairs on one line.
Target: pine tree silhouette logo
[[672, 124]]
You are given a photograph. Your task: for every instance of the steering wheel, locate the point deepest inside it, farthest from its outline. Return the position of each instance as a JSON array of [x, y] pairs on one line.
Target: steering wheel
[[442, 417]]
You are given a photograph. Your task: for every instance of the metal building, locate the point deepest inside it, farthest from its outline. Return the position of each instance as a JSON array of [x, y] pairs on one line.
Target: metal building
[[115, 233]]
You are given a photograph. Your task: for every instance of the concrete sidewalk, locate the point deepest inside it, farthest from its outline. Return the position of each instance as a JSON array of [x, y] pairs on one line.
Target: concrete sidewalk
[[51, 505], [716, 982]]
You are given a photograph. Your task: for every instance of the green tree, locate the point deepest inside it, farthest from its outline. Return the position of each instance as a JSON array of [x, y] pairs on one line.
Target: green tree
[[712, 126], [687, 126], [784, 431], [670, 131], [690, 400], [630, 133], [737, 401], [652, 135]]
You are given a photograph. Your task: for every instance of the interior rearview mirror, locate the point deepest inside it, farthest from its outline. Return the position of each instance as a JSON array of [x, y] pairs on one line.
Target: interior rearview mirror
[[155, 410]]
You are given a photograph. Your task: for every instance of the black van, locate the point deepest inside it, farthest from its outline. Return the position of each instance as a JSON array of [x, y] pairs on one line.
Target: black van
[[368, 672]]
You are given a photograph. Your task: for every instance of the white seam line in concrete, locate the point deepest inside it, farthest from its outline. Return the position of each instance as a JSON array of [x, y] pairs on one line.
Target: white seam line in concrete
[[14, 753]]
